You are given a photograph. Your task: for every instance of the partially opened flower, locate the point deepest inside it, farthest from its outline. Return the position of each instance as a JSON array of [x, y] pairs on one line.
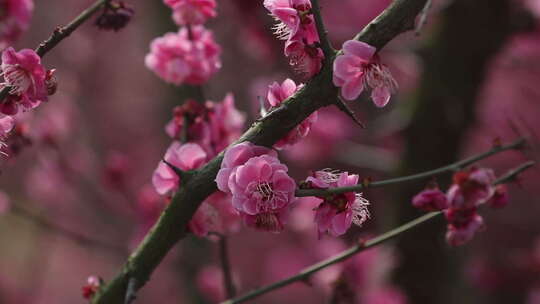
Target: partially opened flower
[[337, 212], [462, 225], [359, 67], [184, 157], [277, 93], [471, 188], [431, 199]]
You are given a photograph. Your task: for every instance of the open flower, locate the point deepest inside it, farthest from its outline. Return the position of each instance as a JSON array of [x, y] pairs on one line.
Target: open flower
[[359, 67], [337, 212], [192, 11], [185, 157], [261, 188], [277, 93], [183, 58], [26, 78]]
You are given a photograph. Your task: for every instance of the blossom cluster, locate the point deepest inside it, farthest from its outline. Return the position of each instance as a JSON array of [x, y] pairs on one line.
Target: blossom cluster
[[190, 55], [470, 189], [297, 27]]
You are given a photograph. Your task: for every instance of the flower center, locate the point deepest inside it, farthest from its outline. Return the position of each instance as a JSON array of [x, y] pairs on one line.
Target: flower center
[[17, 78]]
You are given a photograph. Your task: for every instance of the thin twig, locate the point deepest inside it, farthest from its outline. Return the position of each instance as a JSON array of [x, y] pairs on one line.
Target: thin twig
[[225, 262], [422, 19], [307, 272], [62, 32], [66, 233], [518, 144]]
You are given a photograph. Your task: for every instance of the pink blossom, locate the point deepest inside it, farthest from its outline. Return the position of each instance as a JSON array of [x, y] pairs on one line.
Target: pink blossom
[[185, 157], [15, 19], [500, 197], [430, 200], [178, 58], [297, 26], [261, 189], [187, 12], [26, 77], [471, 188], [337, 212], [91, 287], [276, 95], [462, 225], [236, 156], [359, 67]]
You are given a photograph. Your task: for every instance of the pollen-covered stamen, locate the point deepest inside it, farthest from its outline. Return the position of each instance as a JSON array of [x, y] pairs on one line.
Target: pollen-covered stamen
[[281, 30], [328, 175], [378, 75], [18, 79], [360, 209]]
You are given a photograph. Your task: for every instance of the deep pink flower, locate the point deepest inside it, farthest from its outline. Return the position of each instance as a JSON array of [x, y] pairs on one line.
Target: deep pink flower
[[297, 26], [500, 197], [462, 225], [337, 212], [187, 12], [178, 58], [471, 188], [276, 95], [185, 157], [359, 67], [430, 200], [236, 156], [261, 188], [24, 74], [14, 20]]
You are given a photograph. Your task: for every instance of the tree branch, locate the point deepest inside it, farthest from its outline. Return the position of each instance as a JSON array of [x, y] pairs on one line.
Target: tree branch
[[327, 48], [62, 32], [306, 273], [317, 93], [518, 144]]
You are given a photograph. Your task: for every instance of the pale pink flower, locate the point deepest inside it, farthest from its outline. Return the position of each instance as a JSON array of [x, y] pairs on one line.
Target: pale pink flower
[[359, 67], [236, 156], [178, 58], [15, 19], [6, 125], [462, 225], [276, 95], [184, 157], [471, 188], [430, 200], [26, 77], [337, 212], [186, 12]]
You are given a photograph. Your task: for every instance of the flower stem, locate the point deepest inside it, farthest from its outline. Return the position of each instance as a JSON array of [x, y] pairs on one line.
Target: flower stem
[[518, 144], [307, 272]]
